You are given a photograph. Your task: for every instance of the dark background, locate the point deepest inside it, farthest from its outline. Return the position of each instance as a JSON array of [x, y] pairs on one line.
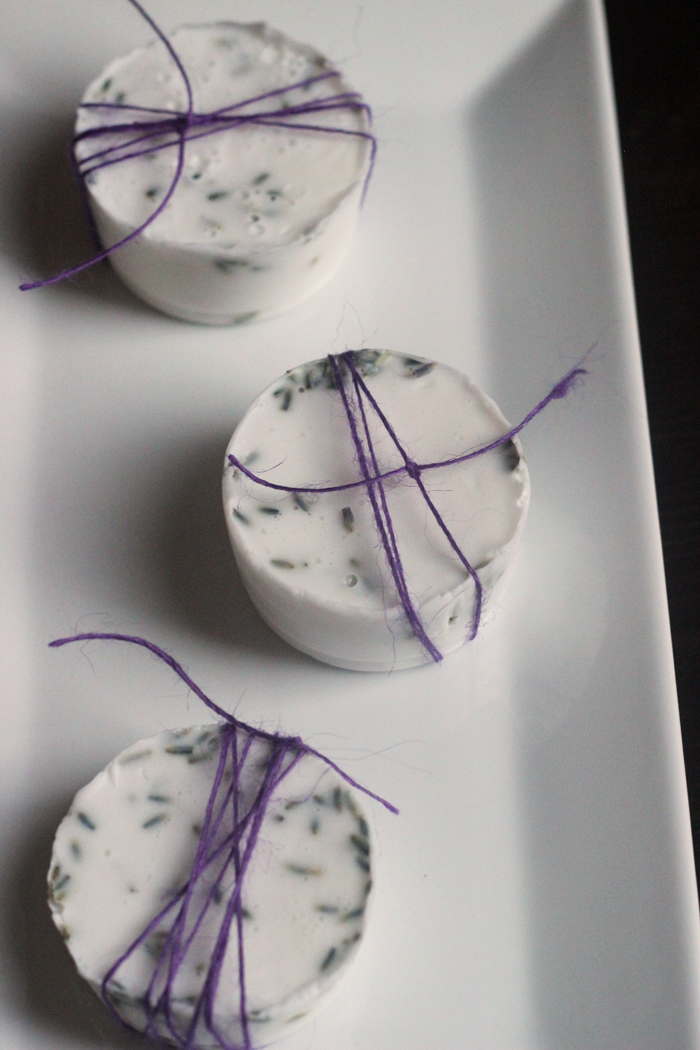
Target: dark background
[[655, 50]]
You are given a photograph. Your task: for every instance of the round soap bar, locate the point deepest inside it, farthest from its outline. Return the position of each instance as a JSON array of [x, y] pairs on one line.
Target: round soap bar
[[262, 215], [127, 846], [312, 562]]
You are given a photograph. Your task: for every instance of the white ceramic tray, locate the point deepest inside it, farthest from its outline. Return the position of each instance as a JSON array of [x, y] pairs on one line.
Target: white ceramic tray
[[537, 890]]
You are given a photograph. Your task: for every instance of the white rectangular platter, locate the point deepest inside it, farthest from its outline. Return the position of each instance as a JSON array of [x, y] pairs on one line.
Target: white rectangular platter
[[537, 890]]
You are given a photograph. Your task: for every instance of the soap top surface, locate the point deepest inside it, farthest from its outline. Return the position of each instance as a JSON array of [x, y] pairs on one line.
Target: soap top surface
[[250, 186], [326, 544], [127, 845]]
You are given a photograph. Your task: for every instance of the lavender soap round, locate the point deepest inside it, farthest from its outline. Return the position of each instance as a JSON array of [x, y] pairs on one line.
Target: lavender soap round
[[126, 849], [314, 562], [263, 213]]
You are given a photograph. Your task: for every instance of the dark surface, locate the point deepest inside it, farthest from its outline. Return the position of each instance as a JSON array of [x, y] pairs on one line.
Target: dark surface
[[655, 49]]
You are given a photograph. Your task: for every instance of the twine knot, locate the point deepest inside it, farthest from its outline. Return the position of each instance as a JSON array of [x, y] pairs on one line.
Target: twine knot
[[412, 469]]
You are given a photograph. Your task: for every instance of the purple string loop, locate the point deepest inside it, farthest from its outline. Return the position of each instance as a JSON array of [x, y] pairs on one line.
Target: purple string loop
[[355, 397], [160, 129], [227, 843]]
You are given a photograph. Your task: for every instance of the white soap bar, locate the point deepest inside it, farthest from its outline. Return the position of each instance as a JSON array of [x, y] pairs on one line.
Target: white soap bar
[[262, 216], [127, 846], [313, 564]]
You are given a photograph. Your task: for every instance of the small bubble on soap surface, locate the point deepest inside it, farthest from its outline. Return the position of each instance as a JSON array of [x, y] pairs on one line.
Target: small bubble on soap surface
[[350, 580]]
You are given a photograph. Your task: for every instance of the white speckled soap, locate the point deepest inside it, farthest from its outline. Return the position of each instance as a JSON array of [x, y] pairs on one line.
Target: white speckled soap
[[127, 846], [262, 216], [313, 564]]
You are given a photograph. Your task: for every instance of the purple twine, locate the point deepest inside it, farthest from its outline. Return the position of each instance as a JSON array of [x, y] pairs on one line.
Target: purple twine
[[355, 397], [226, 845], [162, 129]]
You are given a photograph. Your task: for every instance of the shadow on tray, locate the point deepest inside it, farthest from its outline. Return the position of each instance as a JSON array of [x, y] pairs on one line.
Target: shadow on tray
[[172, 534], [46, 231], [198, 572]]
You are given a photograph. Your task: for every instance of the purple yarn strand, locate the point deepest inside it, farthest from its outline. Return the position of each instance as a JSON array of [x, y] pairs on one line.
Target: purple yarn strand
[[261, 734], [231, 123], [177, 950], [222, 849], [565, 384], [373, 478], [234, 905], [239, 910], [187, 126], [109, 636], [383, 526], [383, 519], [221, 119], [173, 54], [301, 84], [414, 472], [560, 390], [84, 202]]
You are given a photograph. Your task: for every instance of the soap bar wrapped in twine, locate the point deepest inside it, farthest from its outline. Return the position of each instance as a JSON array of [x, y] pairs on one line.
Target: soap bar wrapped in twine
[[228, 839], [146, 131], [357, 401]]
